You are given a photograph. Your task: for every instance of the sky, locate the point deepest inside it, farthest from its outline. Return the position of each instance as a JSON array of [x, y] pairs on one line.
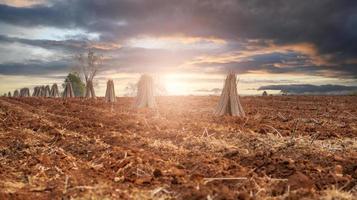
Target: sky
[[187, 45]]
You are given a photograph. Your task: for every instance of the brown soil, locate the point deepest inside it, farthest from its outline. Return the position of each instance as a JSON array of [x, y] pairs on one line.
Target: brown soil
[[287, 147]]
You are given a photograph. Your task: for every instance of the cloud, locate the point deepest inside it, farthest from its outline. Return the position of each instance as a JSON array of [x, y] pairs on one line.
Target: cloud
[[280, 36], [289, 62], [35, 67], [70, 45], [313, 89], [329, 25], [23, 3], [210, 91]]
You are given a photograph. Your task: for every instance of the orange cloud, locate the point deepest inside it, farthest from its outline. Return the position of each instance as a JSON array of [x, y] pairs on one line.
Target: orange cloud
[[106, 46], [191, 40], [22, 3], [253, 50], [174, 42], [303, 48]]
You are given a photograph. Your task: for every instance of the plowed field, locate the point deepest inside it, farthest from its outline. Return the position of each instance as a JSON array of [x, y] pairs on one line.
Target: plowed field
[[287, 147]]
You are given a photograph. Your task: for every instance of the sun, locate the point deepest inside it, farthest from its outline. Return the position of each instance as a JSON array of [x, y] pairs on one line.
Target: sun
[[175, 85]]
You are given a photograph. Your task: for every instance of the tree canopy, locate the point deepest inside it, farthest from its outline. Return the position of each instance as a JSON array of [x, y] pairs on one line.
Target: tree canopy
[[77, 84]]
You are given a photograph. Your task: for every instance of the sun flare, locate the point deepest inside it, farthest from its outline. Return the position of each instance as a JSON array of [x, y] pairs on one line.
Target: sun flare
[[174, 85]]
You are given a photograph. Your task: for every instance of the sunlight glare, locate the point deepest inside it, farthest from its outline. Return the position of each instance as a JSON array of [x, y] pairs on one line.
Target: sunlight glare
[[174, 85]]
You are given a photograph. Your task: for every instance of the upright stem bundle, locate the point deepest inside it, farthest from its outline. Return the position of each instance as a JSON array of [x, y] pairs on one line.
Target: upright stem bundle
[[110, 92], [68, 90], [42, 91], [24, 92], [229, 102], [16, 93], [54, 91], [145, 96], [47, 91]]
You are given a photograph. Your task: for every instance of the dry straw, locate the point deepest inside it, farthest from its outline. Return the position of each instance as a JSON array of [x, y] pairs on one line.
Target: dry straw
[[110, 92], [145, 97], [16, 93], [54, 91], [229, 103], [24, 92], [68, 90], [47, 91], [42, 91], [35, 92], [39, 91]]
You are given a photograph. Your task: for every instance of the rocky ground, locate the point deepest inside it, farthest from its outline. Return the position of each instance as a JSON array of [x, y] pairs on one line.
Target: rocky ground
[[288, 147]]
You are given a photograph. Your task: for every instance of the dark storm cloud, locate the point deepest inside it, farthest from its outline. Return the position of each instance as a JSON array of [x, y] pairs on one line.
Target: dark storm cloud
[[34, 67], [348, 71], [79, 44], [307, 88], [66, 45], [327, 24], [37, 16]]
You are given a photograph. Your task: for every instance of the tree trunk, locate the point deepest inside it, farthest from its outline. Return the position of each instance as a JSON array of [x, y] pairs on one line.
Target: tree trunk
[[90, 93]]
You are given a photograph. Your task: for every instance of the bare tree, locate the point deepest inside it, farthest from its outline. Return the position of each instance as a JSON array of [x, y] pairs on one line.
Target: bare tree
[[89, 66]]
